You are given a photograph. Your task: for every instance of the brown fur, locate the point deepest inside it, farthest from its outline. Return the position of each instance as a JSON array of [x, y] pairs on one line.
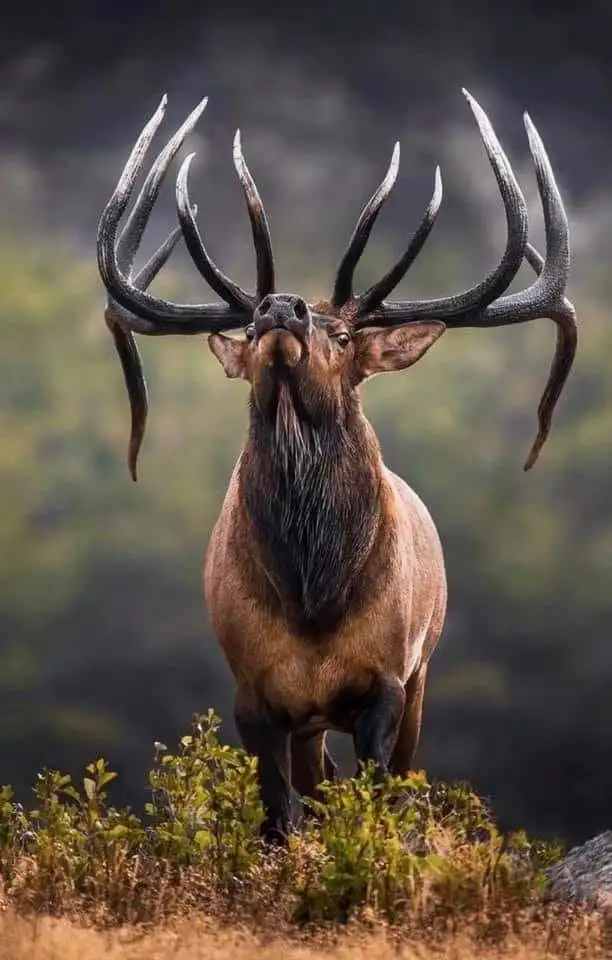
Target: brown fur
[[313, 667]]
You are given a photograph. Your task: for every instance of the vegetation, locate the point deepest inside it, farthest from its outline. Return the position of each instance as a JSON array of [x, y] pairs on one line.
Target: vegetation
[[200, 938], [417, 859], [407, 862]]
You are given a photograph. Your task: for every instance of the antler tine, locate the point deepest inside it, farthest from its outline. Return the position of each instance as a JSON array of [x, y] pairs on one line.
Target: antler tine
[[147, 274], [343, 284], [135, 382], [262, 240], [548, 290], [534, 259], [133, 229], [147, 314], [127, 350], [132, 232], [373, 297], [131, 235], [226, 288], [546, 295], [395, 313]]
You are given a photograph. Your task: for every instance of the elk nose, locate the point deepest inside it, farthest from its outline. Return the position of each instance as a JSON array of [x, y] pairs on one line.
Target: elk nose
[[285, 312]]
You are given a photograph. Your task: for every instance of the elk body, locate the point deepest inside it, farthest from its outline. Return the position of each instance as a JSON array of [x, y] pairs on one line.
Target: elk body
[[324, 575]]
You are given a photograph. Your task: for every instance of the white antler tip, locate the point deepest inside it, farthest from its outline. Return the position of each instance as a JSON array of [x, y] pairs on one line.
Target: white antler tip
[[535, 141], [181, 179], [391, 175], [475, 106], [237, 152], [199, 110]]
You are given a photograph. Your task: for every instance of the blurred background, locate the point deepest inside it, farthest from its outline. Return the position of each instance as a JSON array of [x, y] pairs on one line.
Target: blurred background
[[105, 644]]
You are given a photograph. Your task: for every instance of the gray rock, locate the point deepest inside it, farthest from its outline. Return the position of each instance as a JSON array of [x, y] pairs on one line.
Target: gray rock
[[584, 875]]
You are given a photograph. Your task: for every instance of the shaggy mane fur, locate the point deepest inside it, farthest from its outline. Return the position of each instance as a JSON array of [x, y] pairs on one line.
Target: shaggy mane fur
[[312, 495]]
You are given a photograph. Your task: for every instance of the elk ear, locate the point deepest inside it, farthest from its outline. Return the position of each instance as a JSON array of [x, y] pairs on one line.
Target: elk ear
[[384, 351], [231, 355]]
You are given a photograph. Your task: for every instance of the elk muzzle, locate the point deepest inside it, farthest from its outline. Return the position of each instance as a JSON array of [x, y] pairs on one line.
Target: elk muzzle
[[283, 328]]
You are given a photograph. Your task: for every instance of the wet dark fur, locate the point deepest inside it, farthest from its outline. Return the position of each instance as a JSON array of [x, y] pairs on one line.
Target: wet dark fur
[[312, 494]]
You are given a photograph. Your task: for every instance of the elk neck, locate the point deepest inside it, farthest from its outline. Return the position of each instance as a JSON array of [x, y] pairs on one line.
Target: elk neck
[[312, 495]]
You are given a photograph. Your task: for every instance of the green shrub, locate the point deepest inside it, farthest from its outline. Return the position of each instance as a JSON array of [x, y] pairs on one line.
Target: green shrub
[[387, 851], [206, 806], [383, 848]]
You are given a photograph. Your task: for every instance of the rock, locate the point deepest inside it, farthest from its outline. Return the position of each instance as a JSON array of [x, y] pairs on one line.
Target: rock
[[584, 875]]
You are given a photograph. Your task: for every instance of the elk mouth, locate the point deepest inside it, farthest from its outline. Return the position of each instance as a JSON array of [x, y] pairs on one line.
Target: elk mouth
[[282, 349], [280, 387]]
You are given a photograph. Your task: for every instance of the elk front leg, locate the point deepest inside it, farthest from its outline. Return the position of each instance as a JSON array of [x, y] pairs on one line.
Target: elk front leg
[[311, 763], [376, 729], [266, 736]]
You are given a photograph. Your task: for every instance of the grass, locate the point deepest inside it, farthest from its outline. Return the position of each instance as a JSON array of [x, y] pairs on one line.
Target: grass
[[198, 939], [409, 866]]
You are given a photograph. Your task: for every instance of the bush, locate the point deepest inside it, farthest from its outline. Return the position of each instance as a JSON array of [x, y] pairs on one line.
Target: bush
[[384, 849], [393, 851]]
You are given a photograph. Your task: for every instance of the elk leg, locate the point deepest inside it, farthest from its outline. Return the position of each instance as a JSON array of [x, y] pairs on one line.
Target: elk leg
[[311, 762], [410, 724], [267, 737], [331, 767], [377, 725]]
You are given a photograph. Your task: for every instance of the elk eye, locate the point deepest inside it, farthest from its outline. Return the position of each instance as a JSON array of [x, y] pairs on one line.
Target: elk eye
[[250, 331], [342, 339]]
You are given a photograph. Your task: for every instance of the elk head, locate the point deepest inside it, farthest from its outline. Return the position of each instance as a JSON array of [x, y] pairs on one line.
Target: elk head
[[304, 366], [307, 361]]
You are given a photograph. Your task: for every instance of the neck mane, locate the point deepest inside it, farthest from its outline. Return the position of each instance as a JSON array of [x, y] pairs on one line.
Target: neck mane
[[312, 494]]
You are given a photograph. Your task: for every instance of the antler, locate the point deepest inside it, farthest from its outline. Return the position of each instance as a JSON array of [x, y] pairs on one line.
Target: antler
[[483, 305], [130, 308]]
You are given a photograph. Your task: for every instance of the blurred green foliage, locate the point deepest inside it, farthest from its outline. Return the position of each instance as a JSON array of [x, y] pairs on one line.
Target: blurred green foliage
[[104, 639]]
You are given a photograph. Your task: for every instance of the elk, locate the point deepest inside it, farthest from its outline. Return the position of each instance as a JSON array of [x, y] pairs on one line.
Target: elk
[[324, 576]]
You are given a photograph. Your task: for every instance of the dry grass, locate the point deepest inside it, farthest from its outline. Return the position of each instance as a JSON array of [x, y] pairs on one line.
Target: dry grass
[[43, 938]]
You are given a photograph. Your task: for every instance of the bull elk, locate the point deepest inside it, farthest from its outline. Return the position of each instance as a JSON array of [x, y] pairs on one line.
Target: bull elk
[[324, 576]]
